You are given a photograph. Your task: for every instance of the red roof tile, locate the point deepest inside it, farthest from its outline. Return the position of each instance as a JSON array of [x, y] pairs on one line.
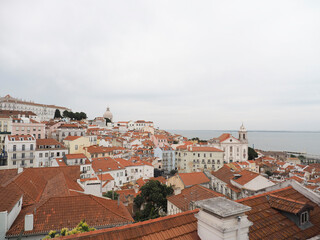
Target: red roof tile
[[188, 195], [269, 223], [59, 212], [48, 142], [72, 138], [193, 178], [286, 204], [245, 177], [178, 226], [204, 149]]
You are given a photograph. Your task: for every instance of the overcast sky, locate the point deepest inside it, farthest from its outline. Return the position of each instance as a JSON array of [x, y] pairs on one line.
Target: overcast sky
[[183, 64]]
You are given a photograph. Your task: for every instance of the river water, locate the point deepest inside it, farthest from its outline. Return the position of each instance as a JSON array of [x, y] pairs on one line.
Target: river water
[[308, 142]]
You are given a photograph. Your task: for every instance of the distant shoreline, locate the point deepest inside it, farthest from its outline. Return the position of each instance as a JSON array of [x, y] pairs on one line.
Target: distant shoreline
[[279, 131]]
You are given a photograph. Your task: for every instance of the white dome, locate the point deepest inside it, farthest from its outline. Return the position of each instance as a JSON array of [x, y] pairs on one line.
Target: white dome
[[108, 114]]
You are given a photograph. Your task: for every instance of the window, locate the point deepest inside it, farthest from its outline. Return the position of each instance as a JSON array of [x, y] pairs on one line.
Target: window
[[41, 155], [304, 218], [31, 161], [39, 136], [31, 146], [76, 147], [23, 147], [17, 128], [46, 154], [23, 155], [31, 154], [14, 156], [14, 162], [58, 154], [14, 147]]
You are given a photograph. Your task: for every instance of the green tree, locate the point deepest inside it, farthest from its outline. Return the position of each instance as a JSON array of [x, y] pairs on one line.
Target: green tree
[[109, 195], [83, 115], [80, 228], [65, 114], [152, 200], [57, 114], [77, 116], [252, 154], [269, 173], [173, 172]]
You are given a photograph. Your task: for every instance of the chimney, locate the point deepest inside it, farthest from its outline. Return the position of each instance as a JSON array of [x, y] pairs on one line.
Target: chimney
[[28, 222], [220, 219], [20, 170]]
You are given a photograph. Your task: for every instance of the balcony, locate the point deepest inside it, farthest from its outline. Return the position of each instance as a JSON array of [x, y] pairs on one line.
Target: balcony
[[20, 158]]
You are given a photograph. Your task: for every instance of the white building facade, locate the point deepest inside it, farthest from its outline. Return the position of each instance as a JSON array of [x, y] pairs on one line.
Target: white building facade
[[20, 150], [44, 112]]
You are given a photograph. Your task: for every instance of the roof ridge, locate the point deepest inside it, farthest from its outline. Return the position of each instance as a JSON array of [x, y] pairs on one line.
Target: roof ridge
[[287, 199], [138, 224], [264, 194]]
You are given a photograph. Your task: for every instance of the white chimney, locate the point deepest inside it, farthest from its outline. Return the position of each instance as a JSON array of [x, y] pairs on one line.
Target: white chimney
[[20, 170], [222, 219], [28, 222]]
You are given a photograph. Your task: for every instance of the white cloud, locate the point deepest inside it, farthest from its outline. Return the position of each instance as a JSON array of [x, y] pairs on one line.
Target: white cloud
[[183, 64]]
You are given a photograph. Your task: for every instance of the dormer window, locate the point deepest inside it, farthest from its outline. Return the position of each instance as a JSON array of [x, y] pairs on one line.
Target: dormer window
[[304, 218], [296, 211]]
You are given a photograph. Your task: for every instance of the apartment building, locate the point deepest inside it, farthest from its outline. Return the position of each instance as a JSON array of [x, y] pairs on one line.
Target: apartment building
[[195, 159], [47, 151], [20, 151]]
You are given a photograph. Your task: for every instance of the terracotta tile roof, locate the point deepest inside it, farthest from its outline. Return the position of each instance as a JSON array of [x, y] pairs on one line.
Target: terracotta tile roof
[[59, 212], [69, 126], [246, 176], [71, 138], [7, 174], [204, 149], [21, 136], [75, 156], [161, 179], [194, 193], [286, 204], [300, 180], [9, 196], [99, 149], [269, 223], [193, 178], [178, 226], [32, 182], [105, 164], [141, 182], [225, 136], [48, 142], [105, 177], [225, 174]]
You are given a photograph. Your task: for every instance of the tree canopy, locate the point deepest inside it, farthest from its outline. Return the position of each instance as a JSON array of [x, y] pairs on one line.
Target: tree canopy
[[57, 114], [80, 228], [74, 116], [252, 154], [111, 194], [152, 200]]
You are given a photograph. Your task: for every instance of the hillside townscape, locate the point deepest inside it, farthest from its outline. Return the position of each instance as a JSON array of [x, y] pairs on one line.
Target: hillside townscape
[[65, 176]]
